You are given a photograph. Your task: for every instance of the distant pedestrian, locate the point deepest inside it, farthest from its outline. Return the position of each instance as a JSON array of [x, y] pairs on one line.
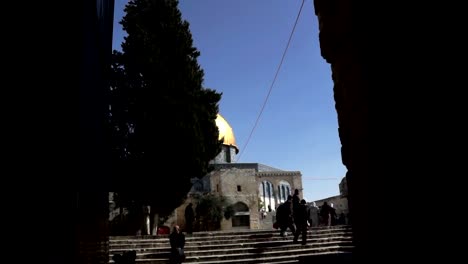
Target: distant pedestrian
[[189, 218], [313, 215]]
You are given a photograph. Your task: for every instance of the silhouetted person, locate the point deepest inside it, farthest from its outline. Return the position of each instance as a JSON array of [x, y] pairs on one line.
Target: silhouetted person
[[295, 199], [300, 220], [284, 217], [342, 219], [333, 216], [189, 218], [295, 205], [177, 240], [313, 215], [325, 213], [197, 218]]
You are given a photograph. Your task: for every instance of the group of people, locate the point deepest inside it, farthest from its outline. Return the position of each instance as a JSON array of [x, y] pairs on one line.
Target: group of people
[[297, 216], [293, 214], [326, 215]]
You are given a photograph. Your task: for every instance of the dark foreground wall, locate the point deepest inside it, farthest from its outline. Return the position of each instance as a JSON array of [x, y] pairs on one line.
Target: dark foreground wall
[[342, 45], [91, 199]]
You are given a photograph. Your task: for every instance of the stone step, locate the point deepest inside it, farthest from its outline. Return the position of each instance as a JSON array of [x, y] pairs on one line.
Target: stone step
[[288, 256], [227, 244], [225, 233], [216, 240], [327, 256], [333, 258], [227, 249], [221, 236], [239, 246], [285, 246], [232, 245]]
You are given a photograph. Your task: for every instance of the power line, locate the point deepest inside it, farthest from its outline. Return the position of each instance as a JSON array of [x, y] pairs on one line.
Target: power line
[[274, 80]]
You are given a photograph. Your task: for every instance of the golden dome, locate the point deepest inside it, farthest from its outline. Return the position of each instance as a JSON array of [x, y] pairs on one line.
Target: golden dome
[[225, 132]]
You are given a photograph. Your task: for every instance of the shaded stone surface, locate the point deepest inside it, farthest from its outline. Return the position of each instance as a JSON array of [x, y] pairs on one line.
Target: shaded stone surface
[[342, 258], [243, 246], [91, 199], [342, 45]]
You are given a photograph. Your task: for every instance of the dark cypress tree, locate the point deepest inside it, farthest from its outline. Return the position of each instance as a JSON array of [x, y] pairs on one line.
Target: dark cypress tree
[[163, 119]]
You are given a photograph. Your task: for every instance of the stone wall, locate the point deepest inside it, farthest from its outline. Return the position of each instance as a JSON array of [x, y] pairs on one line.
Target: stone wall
[[226, 178], [248, 194], [343, 45], [222, 156], [339, 203], [343, 187]]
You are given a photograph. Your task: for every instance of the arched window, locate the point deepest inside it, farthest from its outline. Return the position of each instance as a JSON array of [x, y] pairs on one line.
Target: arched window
[[284, 190], [267, 196]]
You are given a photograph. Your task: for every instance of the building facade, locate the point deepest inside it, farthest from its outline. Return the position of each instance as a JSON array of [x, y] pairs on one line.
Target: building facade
[[248, 186], [339, 202]]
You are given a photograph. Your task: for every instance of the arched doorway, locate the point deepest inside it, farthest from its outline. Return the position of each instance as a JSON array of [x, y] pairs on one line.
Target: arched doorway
[[241, 218]]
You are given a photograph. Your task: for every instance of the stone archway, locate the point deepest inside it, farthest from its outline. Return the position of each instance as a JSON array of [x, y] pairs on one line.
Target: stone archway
[[241, 217]]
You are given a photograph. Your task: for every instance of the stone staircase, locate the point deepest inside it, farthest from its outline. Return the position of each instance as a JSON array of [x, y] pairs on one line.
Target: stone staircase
[[267, 222], [242, 246]]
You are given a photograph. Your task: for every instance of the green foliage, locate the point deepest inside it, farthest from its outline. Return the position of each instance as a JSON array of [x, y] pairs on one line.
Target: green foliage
[[229, 211], [211, 209], [260, 204], [162, 118]]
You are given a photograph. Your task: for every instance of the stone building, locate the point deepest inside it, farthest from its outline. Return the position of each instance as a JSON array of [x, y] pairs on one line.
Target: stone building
[[343, 187], [248, 186], [340, 202]]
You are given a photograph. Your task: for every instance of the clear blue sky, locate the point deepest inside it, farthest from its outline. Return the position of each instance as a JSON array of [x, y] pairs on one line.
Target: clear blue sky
[[241, 44]]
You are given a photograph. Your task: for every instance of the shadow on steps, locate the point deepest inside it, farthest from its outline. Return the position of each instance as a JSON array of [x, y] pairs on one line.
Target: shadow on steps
[[341, 258]]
